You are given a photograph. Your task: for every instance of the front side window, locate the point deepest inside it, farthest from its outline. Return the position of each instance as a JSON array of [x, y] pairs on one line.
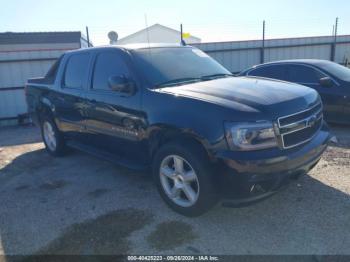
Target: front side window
[[170, 64], [108, 64], [270, 71], [303, 74], [76, 70]]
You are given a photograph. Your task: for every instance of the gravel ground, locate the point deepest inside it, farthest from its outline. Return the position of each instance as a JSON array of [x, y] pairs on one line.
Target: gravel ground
[[81, 205]]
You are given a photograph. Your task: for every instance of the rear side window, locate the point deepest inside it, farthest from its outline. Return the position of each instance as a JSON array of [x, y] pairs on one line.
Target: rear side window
[[273, 71], [108, 64], [51, 74], [303, 74], [76, 70]]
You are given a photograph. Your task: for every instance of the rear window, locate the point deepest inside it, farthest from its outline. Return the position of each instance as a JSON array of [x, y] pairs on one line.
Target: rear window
[[76, 70], [271, 71]]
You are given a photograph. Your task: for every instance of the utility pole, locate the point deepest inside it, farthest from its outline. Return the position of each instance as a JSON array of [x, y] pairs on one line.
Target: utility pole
[[262, 55], [87, 36], [334, 44], [336, 30]]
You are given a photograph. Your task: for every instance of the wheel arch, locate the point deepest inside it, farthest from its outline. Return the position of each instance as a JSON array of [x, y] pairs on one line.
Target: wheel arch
[[45, 107], [160, 136]]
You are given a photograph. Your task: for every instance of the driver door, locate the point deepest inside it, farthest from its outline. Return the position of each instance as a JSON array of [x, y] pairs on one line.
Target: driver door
[[113, 119]]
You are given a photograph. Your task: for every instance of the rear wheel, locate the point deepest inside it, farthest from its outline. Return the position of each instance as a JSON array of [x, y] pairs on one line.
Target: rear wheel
[[52, 137], [184, 178]]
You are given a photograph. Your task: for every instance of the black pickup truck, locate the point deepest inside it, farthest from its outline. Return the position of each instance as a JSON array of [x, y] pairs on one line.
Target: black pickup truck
[[205, 134]]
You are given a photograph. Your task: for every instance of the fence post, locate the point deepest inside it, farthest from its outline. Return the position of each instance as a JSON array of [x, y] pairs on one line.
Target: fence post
[[182, 38], [262, 53], [334, 44], [87, 36]]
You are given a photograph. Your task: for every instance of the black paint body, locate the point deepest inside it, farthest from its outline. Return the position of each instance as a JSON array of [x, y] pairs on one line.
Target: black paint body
[[130, 128]]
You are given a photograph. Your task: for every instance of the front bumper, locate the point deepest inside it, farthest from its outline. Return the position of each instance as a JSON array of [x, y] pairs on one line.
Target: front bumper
[[250, 176]]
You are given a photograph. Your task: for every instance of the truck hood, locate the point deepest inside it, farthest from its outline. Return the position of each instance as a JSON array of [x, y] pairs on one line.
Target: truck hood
[[250, 94]]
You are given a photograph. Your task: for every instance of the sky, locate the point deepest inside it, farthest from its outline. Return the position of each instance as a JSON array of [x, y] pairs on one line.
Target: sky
[[220, 20]]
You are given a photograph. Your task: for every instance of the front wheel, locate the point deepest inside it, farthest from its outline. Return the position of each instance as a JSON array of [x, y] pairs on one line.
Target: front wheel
[[183, 177], [53, 139]]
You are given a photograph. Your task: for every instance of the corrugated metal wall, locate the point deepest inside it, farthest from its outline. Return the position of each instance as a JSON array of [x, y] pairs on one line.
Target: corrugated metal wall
[[239, 55], [16, 66]]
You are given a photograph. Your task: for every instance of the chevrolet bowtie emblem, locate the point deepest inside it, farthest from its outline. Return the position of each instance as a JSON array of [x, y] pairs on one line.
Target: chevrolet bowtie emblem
[[311, 121]]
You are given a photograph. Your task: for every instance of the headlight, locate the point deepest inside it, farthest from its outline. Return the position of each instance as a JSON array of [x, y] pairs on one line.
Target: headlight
[[250, 136]]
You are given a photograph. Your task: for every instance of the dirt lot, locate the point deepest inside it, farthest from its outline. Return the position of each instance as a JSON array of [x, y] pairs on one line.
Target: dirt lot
[[80, 204]]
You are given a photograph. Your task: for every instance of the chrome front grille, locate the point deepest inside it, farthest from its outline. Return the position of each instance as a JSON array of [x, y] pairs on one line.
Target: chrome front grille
[[301, 127]]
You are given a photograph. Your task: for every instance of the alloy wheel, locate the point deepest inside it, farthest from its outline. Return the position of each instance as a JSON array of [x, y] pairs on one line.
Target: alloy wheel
[[49, 136], [179, 181]]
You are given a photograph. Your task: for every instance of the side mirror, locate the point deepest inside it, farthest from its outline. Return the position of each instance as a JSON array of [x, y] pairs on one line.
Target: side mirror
[[326, 82], [122, 84]]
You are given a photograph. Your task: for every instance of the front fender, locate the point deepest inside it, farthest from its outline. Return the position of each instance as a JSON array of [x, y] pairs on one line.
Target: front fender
[[190, 117]]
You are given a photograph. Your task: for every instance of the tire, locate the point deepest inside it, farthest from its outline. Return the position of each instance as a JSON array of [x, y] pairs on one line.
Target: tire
[[173, 184], [52, 137]]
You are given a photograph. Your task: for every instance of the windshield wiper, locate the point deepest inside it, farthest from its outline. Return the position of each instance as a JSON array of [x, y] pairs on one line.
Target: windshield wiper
[[186, 80], [213, 76], [179, 81]]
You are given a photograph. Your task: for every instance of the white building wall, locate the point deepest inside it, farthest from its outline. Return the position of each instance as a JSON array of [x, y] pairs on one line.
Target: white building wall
[[156, 34]]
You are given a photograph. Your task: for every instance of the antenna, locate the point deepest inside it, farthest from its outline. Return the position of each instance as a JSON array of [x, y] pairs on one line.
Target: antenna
[[147, 31]]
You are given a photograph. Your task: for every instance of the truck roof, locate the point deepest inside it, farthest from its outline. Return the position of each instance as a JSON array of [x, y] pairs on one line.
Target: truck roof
[[131, 47], [148, 45]]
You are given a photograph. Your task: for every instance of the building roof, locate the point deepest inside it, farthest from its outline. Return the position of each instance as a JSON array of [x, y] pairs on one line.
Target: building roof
[[40, 37], [155, 26]]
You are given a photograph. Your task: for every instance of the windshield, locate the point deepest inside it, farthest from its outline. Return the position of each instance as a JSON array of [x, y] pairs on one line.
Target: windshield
[[339, 71], [168, 66]]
